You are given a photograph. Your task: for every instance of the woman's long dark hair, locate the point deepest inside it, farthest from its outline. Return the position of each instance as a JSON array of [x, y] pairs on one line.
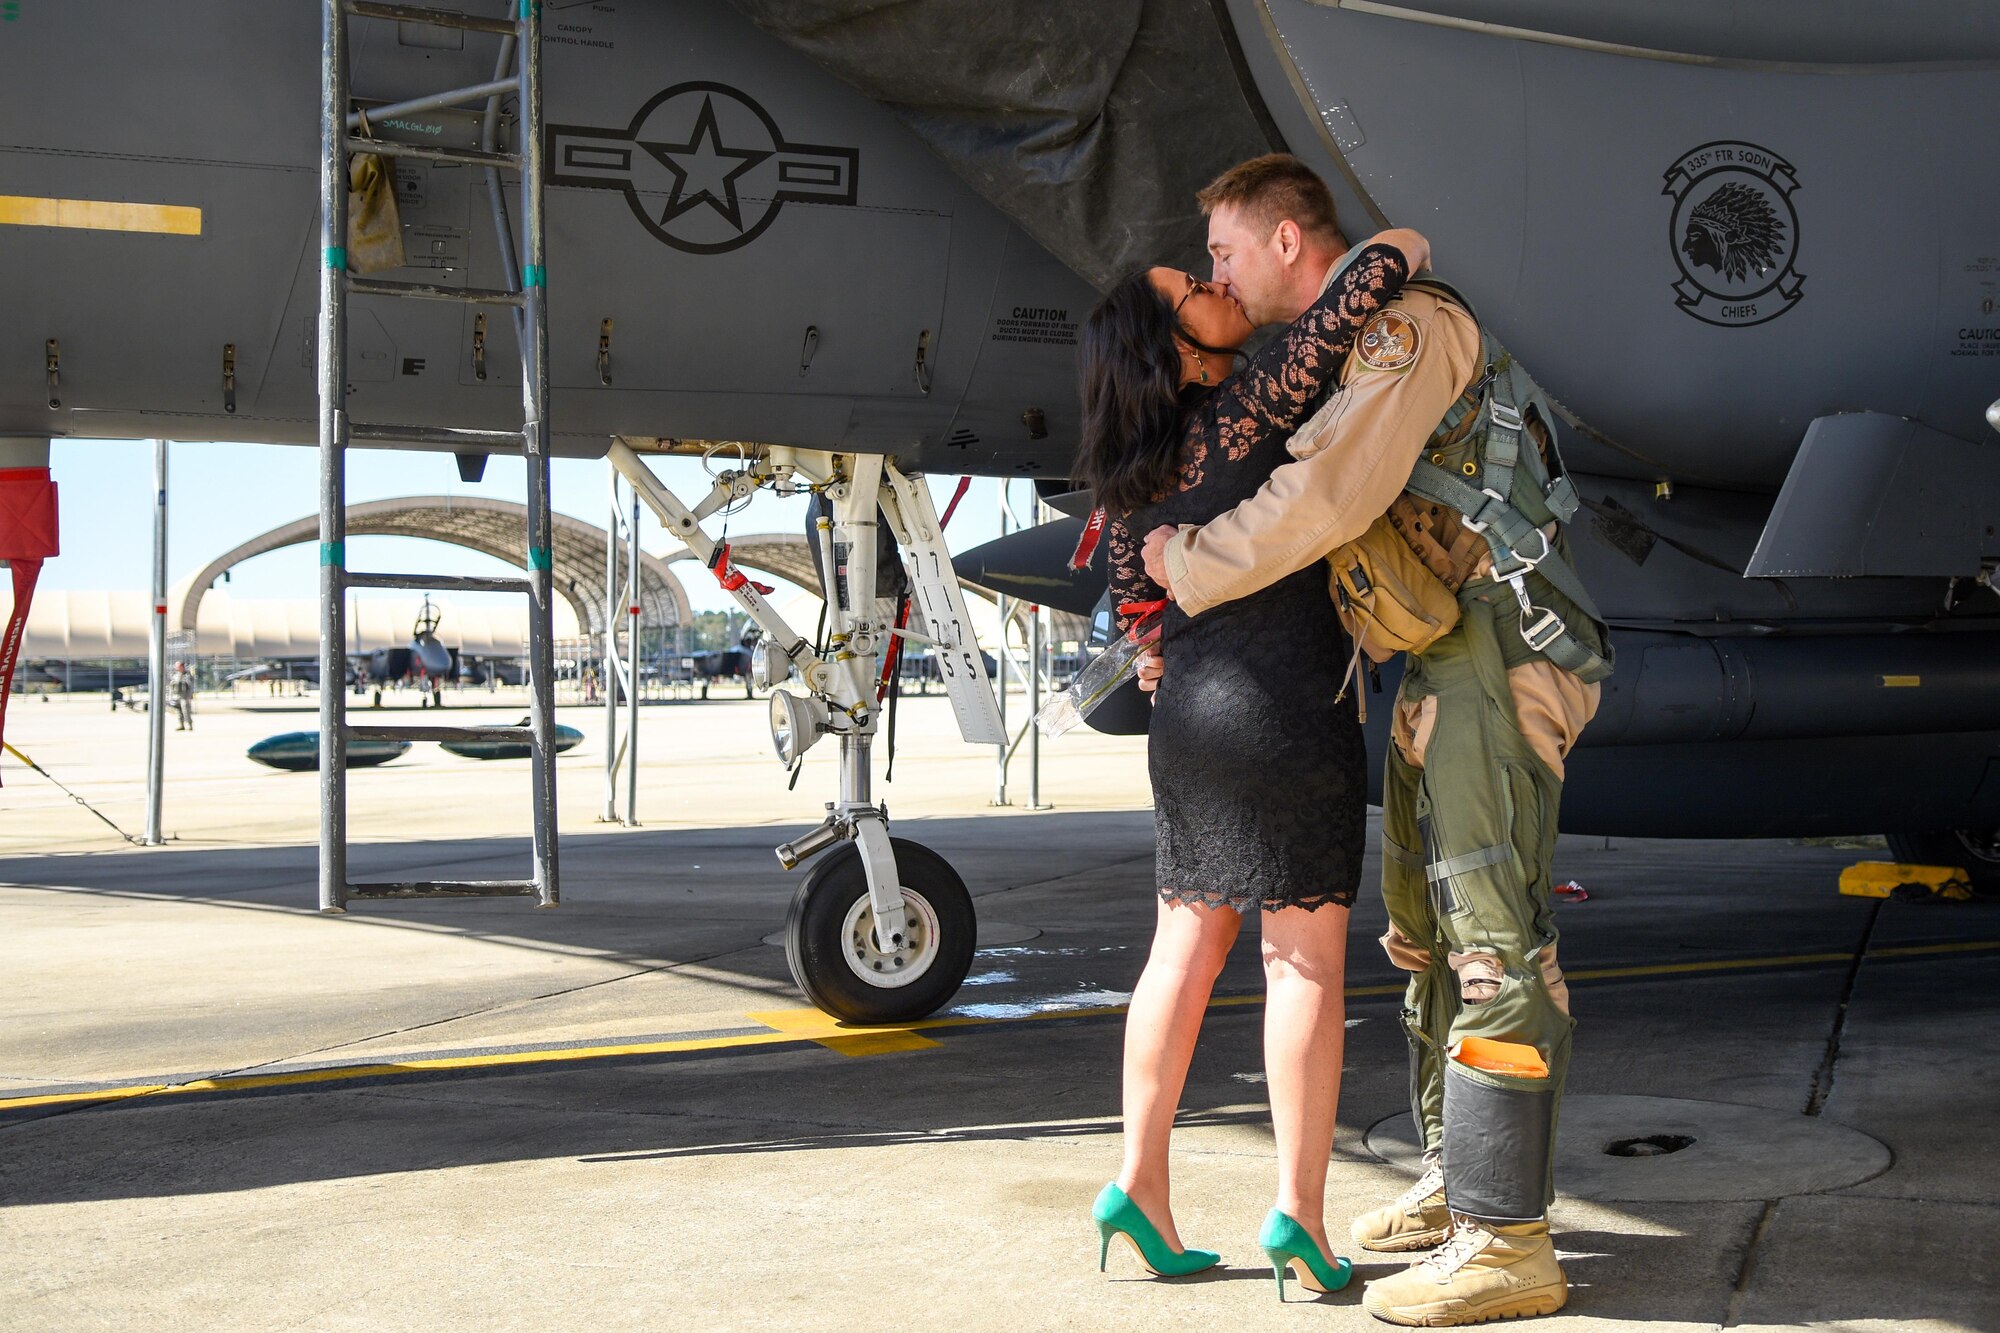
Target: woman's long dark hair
[[1130, 371]]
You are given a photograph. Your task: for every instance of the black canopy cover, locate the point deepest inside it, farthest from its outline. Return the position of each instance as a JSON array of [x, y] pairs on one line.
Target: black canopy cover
[[1090, 122]]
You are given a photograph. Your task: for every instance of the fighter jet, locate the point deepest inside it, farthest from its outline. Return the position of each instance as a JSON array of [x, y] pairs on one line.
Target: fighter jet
[[1754, 258], [424, 660], [714, 664]]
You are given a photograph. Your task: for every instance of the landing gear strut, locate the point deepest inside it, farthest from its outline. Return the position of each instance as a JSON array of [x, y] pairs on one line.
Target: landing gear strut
[[882, 930]]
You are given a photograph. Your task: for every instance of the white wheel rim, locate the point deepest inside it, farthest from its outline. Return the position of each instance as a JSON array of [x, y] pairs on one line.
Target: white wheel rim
[[899, 967]]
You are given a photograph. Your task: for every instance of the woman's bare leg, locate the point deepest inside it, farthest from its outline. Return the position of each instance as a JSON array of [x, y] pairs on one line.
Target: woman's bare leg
[[1190, 944], [1305, 1029]]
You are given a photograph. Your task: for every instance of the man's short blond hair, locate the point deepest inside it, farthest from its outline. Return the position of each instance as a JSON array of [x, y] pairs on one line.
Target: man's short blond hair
[[1267, 190]]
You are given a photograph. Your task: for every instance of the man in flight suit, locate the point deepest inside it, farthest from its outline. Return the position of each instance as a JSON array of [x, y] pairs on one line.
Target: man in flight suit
[[1480, 730]]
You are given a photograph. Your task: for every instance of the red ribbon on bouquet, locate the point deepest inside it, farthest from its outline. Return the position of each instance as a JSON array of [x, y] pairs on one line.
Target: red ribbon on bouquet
[[1139, 611]]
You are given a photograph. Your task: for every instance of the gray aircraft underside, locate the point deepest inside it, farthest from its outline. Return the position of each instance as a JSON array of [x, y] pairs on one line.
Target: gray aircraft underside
[[827, 283], [1753, 254]]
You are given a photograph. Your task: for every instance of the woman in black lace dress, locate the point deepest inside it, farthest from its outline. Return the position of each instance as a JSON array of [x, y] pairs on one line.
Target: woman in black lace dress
[[1258, 775]]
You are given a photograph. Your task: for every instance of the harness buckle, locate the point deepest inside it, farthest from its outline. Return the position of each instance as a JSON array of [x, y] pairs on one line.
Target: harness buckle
[[1522, 565], [1508, 416], [1546, 628], [1495, 505]]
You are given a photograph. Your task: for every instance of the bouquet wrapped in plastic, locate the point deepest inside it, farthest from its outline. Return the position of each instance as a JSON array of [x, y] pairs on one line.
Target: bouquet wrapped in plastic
[[1105, 672]]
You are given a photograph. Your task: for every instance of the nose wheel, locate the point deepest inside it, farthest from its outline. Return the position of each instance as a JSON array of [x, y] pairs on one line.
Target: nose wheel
[[836, 960]]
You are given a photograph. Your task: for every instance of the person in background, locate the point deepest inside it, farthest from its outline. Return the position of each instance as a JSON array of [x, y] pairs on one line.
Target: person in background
[[182, 688]]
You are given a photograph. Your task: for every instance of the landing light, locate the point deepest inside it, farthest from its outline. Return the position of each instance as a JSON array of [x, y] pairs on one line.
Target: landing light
[[769, 667], [797, 721]]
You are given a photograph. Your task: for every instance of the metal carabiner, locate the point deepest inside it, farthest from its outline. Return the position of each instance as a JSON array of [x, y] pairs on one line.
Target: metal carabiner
[[1526, 564]]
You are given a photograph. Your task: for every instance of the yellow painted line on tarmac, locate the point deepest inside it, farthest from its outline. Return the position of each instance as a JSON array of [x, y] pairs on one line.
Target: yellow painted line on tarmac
[[20, 210], [796, 1026], [1786, 960], [815, 1026], [344, 1073]]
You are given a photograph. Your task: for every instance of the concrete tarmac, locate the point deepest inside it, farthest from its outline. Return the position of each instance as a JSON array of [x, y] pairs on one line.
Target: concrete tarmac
[[219, 1106]]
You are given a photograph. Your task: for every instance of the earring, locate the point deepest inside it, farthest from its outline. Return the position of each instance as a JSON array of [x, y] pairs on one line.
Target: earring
[[1201, 365]]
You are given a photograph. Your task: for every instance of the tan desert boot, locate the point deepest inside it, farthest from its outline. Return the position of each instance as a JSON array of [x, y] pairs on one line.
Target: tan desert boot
[[1481, 1272], [1417, 1220]]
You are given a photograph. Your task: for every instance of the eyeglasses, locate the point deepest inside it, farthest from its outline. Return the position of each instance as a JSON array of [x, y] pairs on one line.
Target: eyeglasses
[[1194, 285]]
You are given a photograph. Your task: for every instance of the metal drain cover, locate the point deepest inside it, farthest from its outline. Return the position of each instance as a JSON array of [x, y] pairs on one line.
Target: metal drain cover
[[1735, 1153]]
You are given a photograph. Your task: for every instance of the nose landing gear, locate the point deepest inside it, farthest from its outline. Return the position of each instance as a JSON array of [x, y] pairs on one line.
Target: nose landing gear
[[882, 930], [835, 958]]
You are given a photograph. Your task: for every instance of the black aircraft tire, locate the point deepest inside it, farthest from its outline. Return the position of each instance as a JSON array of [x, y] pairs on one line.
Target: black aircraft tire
[[1970, 849], [828, 963]]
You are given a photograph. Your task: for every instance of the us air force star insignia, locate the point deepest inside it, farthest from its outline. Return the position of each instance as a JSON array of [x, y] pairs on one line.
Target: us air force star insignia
[[702, 167], [1388, 341]]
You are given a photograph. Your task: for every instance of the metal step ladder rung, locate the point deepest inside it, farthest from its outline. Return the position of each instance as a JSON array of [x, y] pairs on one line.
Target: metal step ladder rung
[[436, 18], [391, 731], [434, 101], [444, 888], [439, 582], [426, 291], [453, 436], [463, 157]]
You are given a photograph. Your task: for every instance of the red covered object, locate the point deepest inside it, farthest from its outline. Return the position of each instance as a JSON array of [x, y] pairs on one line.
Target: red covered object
[[27, 514], [27, 537]]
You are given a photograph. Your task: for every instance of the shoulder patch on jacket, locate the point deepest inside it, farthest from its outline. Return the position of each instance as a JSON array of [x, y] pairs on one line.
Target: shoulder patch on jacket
[[1388, 341]]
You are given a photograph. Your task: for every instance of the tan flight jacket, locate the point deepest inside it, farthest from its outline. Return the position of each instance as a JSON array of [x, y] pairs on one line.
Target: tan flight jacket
[[1351, 468], [1355, 456]]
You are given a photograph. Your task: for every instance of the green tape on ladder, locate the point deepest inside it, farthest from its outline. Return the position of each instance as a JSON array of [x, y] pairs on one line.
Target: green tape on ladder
[[530, 9], [333, 553], [533, 275], [336, 257], [538, 558]]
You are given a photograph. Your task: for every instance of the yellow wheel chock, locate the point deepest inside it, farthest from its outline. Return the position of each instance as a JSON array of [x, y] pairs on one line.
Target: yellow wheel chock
[[1907, 883]]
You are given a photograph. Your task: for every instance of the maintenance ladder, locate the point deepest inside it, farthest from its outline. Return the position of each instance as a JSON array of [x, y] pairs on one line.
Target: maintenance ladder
[[521, 43]]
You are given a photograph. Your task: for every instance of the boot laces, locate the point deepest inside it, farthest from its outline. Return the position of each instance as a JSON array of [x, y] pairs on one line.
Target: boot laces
[[1429, 1183], [1466, 1240]]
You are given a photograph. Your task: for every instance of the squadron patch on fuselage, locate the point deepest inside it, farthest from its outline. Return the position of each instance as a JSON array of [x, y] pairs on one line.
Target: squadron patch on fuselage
[[1388, 341], [1735, 234]]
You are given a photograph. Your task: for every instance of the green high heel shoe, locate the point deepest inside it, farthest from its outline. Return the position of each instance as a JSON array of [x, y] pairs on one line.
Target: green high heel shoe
[[1116, 1215], [1290, 1247]]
